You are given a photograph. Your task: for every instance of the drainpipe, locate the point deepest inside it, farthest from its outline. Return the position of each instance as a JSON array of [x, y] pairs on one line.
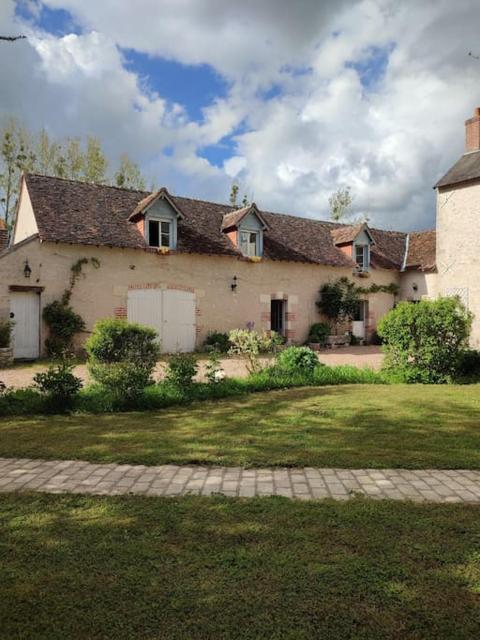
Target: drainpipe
[[405, 257]]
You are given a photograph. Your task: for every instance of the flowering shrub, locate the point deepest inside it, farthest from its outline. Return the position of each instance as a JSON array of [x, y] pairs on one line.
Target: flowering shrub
[[251, 344]]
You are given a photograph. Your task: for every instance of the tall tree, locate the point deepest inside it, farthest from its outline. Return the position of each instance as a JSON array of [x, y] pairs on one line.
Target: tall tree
[[128, 174], [340, 203], [74, 159], [233, 195], [46, 153], [95, 169], [16, 156], [22, 151]]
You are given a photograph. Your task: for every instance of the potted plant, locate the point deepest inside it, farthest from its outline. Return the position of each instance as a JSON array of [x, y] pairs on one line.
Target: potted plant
[[317, 336], [6, 350], [338, 302]]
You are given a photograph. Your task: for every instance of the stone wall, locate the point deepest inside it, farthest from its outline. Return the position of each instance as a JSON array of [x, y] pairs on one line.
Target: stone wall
[[103, 292]]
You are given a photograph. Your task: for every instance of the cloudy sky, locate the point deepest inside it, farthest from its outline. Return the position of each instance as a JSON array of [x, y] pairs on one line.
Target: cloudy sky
[[292, 100]]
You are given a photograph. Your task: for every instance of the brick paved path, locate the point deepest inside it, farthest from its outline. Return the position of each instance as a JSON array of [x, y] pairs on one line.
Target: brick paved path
[[55, 476]]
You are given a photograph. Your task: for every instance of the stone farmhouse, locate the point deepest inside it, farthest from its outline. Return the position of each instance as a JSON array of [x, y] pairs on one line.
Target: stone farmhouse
[[187, 267]]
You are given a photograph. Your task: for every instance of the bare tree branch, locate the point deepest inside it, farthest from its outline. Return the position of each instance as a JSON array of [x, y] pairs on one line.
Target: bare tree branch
[[12, 38]]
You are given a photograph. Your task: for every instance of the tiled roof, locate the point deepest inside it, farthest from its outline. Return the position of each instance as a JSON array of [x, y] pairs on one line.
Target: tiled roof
[[81, 213], [233, 219], [348, 233], [421, 251], [465, 169]]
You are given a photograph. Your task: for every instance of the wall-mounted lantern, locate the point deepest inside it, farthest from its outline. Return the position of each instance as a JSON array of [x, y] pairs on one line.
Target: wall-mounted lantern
[[27, 272], [415, 286], [234, 283]]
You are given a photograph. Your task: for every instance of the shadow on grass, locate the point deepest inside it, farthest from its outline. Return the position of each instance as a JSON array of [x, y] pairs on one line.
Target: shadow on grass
[[345, 426], [135, 567]]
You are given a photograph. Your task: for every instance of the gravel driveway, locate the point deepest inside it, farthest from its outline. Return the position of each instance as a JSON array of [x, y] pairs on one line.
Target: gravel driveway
[[22, 375]]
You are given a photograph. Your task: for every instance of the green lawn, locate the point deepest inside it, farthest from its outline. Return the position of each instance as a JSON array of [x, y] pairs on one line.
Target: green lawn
[[212, 568], [345, 426]]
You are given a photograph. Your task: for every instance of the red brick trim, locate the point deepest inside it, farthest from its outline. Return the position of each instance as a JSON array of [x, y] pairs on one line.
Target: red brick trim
[[291, 333], [120, 312], [290, 316], [145, 285], [266, 316], [180, 287]]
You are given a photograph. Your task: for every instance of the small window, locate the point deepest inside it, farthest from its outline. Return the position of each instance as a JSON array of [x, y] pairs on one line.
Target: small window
[[359, 315], [160, 233], [277, 314], [249, 243], [361, 256]]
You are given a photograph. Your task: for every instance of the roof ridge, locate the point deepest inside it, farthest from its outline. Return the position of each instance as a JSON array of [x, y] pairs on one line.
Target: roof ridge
[[91, 184]]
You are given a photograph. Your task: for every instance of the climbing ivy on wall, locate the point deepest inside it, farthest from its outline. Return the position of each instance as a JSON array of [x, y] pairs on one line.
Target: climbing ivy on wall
[[62, 321]]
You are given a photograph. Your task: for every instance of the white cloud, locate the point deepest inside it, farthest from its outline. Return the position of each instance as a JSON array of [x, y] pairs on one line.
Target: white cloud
[[234, 165], [321, 129]]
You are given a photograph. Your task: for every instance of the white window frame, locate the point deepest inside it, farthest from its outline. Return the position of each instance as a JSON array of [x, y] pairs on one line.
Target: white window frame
[[366, 257], [249, 232], [170, 232]]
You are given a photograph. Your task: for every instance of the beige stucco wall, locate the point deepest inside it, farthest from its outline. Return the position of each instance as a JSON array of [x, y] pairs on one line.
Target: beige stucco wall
[[103, 292], [426, 284], [25, 223], [458, 243]]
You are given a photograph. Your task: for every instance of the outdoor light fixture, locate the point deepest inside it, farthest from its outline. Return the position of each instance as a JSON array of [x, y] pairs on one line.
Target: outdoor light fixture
[[27, 272], [233, 286], [415, 286]]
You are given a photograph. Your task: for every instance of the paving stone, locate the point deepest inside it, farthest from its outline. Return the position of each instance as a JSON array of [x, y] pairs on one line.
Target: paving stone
[[246, 492], [60, 476]]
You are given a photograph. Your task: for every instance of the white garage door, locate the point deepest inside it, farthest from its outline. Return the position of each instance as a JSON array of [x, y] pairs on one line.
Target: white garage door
[[170, 312]]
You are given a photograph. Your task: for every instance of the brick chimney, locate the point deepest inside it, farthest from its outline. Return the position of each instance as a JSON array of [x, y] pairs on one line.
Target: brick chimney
[[472, 132]]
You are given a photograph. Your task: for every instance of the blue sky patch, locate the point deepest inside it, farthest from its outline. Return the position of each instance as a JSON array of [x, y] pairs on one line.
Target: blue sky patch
[[371, 68], [58, 22], [192, 86], [216, 154]]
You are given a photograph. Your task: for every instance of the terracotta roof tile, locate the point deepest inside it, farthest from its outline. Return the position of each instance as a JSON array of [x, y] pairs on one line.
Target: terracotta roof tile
[[81, 213], [421, 251]]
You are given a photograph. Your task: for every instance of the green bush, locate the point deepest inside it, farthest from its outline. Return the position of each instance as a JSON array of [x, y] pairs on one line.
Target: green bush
[[297, 360], [181, 369], [122, 356], [63, 323], [6, 327], [469, 364], [214, 372], [217, 341], [115, 340], [22, 402], [339, 301], [424, 342], [99, 399], [318, 332], [59, 384]]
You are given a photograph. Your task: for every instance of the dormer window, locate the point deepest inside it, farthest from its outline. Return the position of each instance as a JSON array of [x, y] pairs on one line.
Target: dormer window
[[245, 229], [250, 243], [156, 217], [160, 233], [362, 256]]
